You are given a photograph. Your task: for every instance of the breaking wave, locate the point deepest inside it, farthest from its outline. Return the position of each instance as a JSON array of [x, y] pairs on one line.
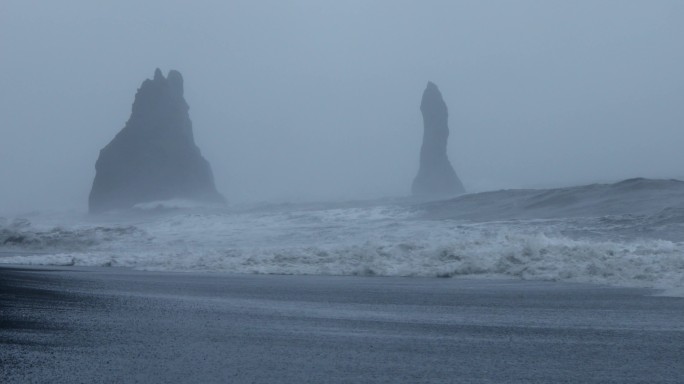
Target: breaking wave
[[641, 246]]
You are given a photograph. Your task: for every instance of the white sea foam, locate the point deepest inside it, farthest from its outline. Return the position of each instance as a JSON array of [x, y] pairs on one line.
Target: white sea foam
[[641, 250]]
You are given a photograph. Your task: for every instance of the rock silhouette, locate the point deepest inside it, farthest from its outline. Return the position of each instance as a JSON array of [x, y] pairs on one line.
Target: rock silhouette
[[154, 157], [436, 177]]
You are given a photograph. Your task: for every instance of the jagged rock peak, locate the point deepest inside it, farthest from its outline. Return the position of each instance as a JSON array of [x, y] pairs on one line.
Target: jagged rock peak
[[154, 157], [436, 177], [175, 81], [431, 88], [158, 75], [432, 103]]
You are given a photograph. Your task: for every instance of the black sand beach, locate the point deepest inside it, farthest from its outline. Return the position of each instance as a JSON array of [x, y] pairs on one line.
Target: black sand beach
[[65, 325]]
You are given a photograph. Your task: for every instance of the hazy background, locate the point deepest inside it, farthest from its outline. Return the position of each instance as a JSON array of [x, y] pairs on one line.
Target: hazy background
[[302, 100]]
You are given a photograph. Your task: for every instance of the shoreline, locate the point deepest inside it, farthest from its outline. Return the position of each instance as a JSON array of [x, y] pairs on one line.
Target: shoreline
[[673, 292], [109, 324]]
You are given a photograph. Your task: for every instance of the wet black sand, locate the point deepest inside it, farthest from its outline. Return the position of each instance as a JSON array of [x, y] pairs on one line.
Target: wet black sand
[[115, 325]]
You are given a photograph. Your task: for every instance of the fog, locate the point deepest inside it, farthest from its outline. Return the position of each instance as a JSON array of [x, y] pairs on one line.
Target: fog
[[319, 100]]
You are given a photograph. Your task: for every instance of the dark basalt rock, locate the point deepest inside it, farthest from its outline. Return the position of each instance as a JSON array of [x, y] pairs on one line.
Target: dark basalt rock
[[436, 177], [154, 157]]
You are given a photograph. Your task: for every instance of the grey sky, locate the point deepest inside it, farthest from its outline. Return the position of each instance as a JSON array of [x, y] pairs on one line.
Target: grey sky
[[296, 100]]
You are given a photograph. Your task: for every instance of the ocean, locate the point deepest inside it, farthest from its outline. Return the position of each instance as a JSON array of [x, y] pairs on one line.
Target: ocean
[[628, 234]]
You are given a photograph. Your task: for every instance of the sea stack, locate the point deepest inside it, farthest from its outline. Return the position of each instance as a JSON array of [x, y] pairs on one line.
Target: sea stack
[[154, 156], [436, 177]]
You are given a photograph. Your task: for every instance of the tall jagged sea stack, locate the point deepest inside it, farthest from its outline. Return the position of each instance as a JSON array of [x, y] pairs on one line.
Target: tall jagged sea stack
[[436, 177], [154, 157]]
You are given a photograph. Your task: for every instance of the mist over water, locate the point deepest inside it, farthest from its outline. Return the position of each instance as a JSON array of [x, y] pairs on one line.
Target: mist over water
[[319, 100], [308, 112]]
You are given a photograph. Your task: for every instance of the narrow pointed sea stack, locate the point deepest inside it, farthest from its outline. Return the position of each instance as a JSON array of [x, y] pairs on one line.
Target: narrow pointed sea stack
[[154, 157], [436, 177]]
